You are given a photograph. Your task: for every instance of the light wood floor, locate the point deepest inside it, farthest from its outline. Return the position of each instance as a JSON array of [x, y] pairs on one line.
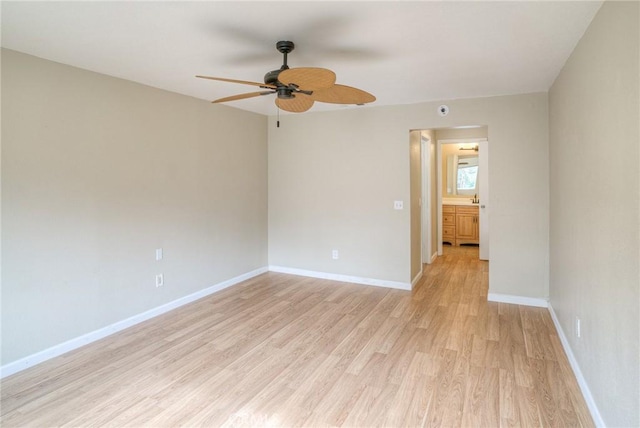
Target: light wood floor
[[282, 350]]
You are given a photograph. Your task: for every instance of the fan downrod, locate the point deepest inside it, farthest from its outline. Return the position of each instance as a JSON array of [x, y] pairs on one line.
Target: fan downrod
[[271, 78]]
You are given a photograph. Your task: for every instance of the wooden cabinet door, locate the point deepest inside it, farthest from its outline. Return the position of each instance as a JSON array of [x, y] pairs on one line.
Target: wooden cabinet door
[[466, 227]]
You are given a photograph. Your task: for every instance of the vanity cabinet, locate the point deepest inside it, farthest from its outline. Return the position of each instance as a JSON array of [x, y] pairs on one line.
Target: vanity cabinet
[[460, 224], [449, 224]]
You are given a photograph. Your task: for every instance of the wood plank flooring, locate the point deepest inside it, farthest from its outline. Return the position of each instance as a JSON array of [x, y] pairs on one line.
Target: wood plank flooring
[[283, 350]]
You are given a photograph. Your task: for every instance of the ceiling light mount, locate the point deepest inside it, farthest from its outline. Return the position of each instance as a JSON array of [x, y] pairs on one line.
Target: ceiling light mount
[[285, 46]]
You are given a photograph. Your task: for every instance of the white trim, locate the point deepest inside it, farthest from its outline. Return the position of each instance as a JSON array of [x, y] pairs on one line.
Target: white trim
[[85, 339], [586, 392], [518, 300], [417, 278], [484, 206], [425, 208], [342, 278], [434, 256], [439, 197]]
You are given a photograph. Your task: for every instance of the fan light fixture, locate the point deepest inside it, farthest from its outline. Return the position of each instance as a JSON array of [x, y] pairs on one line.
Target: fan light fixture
[[474, 148]]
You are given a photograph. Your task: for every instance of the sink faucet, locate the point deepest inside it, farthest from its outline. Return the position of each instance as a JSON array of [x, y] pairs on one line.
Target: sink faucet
[[475, 199]]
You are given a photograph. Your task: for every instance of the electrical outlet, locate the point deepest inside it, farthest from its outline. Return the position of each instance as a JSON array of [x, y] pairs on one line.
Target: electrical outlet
[[578, 330], [335, 255], [398, 205], [159, 280]]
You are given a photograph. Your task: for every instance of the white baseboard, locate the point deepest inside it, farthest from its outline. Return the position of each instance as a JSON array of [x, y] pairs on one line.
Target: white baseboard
[[342, 278], [416, 279], [518, 300], [70, 345], [430, 259], [586, 392]]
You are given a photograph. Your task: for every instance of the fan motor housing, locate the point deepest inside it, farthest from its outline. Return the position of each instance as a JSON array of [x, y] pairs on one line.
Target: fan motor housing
[[283, 91], [271, 78]]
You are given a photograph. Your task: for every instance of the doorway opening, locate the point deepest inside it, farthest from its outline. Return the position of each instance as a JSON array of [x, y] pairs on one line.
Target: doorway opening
[[454, 173]]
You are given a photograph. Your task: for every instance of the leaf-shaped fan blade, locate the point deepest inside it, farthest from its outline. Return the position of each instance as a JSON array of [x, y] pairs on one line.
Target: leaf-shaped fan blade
[[242, 96], [308, 78], [243, 82], [341, 94], [295, 105]]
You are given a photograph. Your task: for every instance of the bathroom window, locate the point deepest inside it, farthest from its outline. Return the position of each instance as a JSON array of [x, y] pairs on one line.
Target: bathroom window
[[467, 177], [462, 174]]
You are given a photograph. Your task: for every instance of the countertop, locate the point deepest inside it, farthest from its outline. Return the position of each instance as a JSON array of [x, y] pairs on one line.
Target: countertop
[[458, 201]]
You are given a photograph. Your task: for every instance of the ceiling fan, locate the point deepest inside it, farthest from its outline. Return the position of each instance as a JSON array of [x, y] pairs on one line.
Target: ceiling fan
[[298, 88]]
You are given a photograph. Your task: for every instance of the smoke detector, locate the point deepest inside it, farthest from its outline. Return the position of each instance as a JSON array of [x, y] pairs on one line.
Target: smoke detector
[[443, 110]]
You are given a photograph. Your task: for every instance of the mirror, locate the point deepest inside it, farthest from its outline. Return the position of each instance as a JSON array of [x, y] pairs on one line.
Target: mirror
[[462, 175]]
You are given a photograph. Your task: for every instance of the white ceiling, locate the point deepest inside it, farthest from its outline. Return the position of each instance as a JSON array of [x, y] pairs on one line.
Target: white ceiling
[[402, 52]]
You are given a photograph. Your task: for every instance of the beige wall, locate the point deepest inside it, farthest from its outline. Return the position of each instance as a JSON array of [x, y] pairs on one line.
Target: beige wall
[[333, 177], [595, 198], [462, 133], [97, 173]]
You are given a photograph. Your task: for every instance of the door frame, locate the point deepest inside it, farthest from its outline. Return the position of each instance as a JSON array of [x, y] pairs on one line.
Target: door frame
[[427, 254], [483, 160]]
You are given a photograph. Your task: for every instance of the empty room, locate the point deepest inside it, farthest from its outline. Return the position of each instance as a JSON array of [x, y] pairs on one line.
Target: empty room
[[309, 214]]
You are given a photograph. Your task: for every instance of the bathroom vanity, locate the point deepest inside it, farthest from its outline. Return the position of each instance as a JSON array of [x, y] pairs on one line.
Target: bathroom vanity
[[460, 223]]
